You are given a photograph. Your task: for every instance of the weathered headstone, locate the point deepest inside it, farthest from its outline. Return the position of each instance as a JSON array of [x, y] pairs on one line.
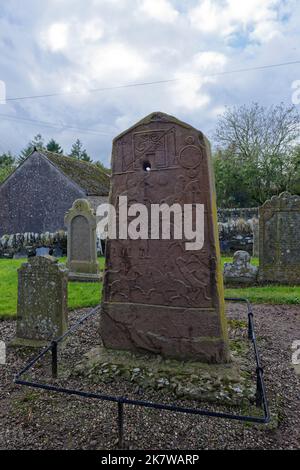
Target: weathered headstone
[[42, 301], [241, 271], [20, 254], [158, 296], [82, 250], [42, 251], [57, 252], [279, 239]]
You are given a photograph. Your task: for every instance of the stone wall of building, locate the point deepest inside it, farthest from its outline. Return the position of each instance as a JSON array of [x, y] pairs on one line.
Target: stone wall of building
[[236, 229], [23, 244], [238, 213], [35, 198]]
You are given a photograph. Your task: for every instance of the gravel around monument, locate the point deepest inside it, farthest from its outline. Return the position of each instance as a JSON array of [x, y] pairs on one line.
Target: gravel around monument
[[33, 419]]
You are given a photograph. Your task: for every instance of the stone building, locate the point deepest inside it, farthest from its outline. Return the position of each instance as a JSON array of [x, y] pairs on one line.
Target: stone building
[[36, 196]]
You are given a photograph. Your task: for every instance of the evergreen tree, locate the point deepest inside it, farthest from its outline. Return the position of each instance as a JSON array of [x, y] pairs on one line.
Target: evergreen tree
[[7, 165], [78, 152], [7, 159], [36, 143], [54, 146]]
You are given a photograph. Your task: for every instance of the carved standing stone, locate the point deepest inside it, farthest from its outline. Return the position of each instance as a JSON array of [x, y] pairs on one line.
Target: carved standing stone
[[82, 242], [158, 296], [42, 301], [279, 240]]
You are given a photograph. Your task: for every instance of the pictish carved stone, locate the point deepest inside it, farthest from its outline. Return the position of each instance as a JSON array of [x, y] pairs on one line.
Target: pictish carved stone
[[158, 296], [82, 242], [279, 241]]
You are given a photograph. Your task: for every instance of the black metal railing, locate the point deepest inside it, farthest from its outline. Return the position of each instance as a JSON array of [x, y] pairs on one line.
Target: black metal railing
[[261, 396]]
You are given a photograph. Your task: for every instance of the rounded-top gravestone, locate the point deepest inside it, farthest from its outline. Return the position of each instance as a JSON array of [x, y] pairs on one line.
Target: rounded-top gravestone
[[82, 242]]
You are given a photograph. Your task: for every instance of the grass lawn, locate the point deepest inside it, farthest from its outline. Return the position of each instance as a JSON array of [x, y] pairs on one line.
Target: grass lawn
[[87, 294], [271, 294], [81, 294]]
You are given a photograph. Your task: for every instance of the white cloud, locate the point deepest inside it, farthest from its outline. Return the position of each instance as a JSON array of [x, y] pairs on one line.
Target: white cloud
[[57, 36], [116, 62], [188, 93], [91, 30], [160, 10], [207, 18], [62, 45], [226, 17], [209, 61]]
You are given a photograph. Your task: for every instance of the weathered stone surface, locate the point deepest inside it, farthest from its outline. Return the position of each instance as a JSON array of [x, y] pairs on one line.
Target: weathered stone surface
[[24, 244], [255, 238], [43, 251], [279, 240], [82, 244], [217, 383], [157, 296], [42, 301], [38, 193], [164, 330], [225, 215], [235, 235], [241, 271]]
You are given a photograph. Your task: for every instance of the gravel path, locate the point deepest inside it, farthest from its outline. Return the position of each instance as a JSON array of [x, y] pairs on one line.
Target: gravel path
[[36, 419]]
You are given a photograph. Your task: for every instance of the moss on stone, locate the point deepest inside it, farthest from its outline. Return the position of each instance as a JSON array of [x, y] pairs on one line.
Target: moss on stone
[[88, 176], [218, 383]]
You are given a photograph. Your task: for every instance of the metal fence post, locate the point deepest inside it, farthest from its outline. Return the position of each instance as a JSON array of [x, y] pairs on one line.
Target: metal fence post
[[54, 359], [120, 425], [259, 390], [250, 326]]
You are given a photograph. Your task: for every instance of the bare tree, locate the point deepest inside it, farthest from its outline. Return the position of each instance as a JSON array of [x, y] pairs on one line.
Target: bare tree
[[261, 140]]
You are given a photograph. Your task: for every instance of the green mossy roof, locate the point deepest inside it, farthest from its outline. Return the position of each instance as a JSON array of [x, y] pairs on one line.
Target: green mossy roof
[[93, 180]]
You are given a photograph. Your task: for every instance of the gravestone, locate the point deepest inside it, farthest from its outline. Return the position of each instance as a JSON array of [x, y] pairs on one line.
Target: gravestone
[[159, 297], [42, 301], [42, 251], [82, 250], [241, 271], [58, 252], [20, 254], [279, 239]]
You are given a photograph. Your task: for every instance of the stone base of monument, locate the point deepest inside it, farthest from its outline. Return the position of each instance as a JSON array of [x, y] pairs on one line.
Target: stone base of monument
[[28, 343], [34, 343], [230, 383], [297, 369], [173, 332], [84, 277]]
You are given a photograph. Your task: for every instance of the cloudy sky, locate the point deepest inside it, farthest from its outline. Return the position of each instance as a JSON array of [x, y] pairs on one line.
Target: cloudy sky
[[67, 48]]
